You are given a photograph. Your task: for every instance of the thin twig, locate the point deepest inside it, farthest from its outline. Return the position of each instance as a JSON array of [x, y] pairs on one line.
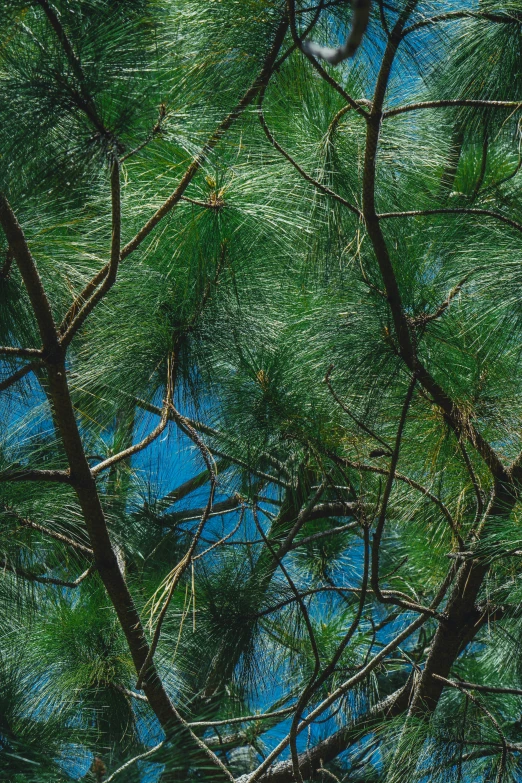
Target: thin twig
[[451, 16], [44, 580], [221, 540], [134, 760], [345, 408], [452, 211], [317, 682], [199, 160], [204, 724], [213, 433], [323, 188], [324, 534], [424, 318], [474, 480], [51, 533], [176, 574], [488, 688], [345, 687], [82, 99], [148, 439], [155, 132], [317, 660], [215, 205], [303, 516], [450, 103], [410, 482], [320, 70], [328, 774], [462, 689], [73, 321], [377, 536], [129, 693]]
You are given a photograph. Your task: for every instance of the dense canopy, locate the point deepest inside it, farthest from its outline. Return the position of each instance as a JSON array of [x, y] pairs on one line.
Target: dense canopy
[[261, 392]]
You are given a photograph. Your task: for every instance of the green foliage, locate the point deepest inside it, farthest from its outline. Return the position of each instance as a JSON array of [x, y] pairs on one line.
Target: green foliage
[[248, 290]]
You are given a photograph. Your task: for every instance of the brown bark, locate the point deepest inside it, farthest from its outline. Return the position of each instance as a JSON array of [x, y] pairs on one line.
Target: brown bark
[[81, 477]]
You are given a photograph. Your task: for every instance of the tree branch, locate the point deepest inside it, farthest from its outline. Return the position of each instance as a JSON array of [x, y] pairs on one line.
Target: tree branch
[[345, 408], [202, 156], [190, 485], [485, 688], [488, 714], [315, 64], [451, 16], [191, 171], [424, 318], [44, 580], [173, 579], [323, 188], [51, 533], [449, 104], [85, 101], [37, 296], [137, 447], [377, 536], [23, 353], [301, 702], [410, 482], [452, 211], [18, 375], [177, 517], [73, 322], [81, 477]]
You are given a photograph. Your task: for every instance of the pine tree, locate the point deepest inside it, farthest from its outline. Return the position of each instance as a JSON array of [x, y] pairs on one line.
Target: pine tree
[[261, 461]]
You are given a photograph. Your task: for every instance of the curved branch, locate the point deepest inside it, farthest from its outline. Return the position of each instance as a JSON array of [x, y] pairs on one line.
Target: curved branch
[[137, 447], [177, 517], [51, 533], [320, 70], [334, 696], [474, 481], [301, 703], [73, 322], [488, 714], [455, 15], [189, 486], [452, 211], [84, 100], [223, 540], [211, 432], [377, 536], [450, 103], [328, 749], [190, 172], [424, 318], [406, 480], [323, 188], [345, 408], [134, 760], [179, 570], [202, 156]]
